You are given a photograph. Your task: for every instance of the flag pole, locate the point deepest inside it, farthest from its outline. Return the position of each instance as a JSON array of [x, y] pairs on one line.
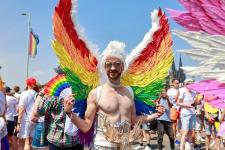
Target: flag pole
[[28, 45]]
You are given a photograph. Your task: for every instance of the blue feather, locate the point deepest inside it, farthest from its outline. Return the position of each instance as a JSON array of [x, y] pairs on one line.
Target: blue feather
[[142, 108]]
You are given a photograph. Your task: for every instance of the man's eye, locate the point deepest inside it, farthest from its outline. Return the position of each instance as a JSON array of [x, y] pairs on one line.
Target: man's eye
[[118, 63], [108, 64]]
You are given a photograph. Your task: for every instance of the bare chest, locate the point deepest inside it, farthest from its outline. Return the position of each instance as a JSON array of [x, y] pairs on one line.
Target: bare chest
[[111, 102]]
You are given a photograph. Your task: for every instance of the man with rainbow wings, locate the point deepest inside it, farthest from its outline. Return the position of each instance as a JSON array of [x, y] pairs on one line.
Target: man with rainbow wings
[[113, 91]]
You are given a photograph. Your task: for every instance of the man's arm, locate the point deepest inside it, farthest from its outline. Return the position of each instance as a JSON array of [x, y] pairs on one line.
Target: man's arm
[[222, 116], [148, 118], [35, 115], [44, 105], [181, 103], [86, 123], [21, 107], [20, 114], [169, 103]]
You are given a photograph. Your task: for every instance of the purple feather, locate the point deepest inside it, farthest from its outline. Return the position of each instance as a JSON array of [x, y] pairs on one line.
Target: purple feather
[[86, 138]]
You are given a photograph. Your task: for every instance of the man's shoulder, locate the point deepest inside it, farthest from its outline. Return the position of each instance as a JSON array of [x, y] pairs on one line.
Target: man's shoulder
[[11, 98], [182, 89], [130, 90], [24, 93], [94, 90], [172, 91], [94, 93]]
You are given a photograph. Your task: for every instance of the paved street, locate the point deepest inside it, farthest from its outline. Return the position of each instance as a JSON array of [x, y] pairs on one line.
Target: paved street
[[166, 143]]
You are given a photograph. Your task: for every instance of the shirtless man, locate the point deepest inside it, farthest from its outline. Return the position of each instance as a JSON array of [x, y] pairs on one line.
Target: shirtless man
[[111, 100]]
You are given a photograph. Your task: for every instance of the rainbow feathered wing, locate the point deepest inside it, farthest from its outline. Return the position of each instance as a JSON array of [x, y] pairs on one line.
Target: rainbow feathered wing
[[75, 58], [147, 68], [149, 63]]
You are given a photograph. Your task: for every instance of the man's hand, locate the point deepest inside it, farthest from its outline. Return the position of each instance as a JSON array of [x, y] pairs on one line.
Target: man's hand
[[211, 120], [160, 109], [18, 127], [68, 103], [188, 106]]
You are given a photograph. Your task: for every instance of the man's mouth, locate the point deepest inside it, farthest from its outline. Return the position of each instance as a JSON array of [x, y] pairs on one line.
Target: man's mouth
[[113, 72]]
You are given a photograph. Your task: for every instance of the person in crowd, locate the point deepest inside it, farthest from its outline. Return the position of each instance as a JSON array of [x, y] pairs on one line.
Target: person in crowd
[[164, 124], [222, 119], [16, 94], [111, 101], [26, 103], [186, 101], [3, 127], [211, 116], [10, 113], [52, 107], [41, 126], [147, 137], [199, 113], [173, 94]]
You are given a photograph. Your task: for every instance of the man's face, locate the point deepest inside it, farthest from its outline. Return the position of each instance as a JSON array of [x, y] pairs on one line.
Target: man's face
[[114, 67], [176, 83], [164, 94]]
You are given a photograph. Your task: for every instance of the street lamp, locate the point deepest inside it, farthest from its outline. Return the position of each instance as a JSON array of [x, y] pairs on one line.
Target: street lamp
[[29, 28]]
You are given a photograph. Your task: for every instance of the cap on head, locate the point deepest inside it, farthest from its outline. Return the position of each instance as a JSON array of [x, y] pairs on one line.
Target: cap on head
[[114, 49], [188, 81], [7, 89], [31, 82]]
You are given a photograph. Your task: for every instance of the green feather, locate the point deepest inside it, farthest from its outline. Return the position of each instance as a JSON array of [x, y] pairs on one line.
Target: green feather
[[80, 90], [150, 92]]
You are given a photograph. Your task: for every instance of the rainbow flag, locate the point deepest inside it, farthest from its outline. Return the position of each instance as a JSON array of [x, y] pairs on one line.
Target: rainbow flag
[[34, 40]]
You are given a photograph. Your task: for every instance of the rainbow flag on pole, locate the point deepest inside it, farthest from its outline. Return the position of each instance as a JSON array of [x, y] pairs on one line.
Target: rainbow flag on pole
[[34, 40]]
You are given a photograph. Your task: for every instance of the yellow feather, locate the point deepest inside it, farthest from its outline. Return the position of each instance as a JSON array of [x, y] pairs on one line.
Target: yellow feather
[[163, 60], [90, 79]]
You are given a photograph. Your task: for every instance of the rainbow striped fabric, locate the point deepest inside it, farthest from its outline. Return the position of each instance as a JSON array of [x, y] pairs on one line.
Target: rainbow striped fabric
[[34, 40]]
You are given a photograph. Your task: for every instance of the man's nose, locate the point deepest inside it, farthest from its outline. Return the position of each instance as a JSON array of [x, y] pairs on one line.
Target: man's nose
[[113, 67]]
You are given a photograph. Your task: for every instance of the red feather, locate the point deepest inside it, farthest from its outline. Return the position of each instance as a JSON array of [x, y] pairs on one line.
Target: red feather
[[154, 46], [63, 10]]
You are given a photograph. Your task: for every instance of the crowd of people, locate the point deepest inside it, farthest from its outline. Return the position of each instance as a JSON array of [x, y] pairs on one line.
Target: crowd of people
[[33, 120], [188, 119]]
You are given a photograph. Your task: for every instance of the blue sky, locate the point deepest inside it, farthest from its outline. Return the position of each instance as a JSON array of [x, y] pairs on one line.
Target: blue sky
[[103, 21]]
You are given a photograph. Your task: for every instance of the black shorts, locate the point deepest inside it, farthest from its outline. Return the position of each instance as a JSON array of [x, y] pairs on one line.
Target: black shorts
[[10, 127], [15, 122], [151, 126]]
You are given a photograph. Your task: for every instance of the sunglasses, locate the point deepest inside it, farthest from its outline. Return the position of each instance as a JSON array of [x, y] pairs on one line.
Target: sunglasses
[[117, 64]]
